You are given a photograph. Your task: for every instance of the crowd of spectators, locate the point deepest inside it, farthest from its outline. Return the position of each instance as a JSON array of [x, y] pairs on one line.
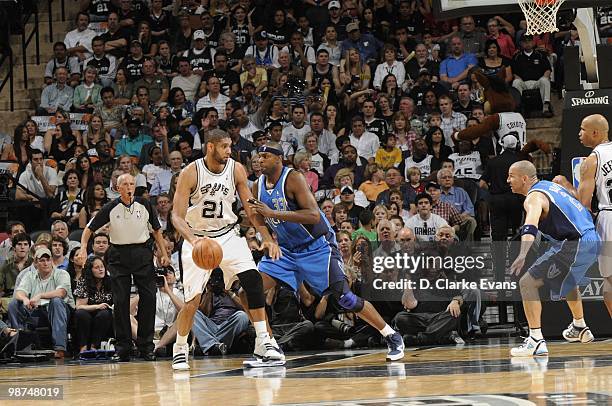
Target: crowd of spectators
[[363, 97]]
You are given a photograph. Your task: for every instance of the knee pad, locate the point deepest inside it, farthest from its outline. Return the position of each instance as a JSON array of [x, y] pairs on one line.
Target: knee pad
[[346, 298], [252, 284]]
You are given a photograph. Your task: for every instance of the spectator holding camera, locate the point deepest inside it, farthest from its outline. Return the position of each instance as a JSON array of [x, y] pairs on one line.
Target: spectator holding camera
[[94, 301], [169, 300], [220, 318], [44, 295]]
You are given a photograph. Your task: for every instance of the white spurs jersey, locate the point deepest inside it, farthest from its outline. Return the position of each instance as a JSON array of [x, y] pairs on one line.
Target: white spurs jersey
[[603, 176], [512, 123], [210, 204], [467, 166]]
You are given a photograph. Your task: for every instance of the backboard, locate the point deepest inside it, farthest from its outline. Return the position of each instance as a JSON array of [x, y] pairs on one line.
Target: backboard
[[445, 9]]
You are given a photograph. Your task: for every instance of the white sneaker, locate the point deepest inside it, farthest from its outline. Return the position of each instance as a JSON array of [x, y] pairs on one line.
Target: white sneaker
[[180, 354], [266, 350], [278, 348], [530, 347], [574, 334]]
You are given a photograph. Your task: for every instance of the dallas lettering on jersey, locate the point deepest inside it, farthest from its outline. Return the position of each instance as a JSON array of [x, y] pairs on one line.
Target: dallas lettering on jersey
[[212, 188], [425, 231]]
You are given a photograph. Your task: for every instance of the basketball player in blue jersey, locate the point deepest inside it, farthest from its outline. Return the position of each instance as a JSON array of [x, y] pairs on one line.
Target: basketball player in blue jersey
[[596, 176], [574, 246], [308, 243]]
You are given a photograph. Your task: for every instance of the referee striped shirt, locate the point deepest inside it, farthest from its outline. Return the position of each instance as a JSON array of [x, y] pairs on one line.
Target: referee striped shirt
[[128, 224]]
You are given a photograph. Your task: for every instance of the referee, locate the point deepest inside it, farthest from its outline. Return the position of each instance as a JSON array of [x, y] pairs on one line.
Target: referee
[[130, 254]]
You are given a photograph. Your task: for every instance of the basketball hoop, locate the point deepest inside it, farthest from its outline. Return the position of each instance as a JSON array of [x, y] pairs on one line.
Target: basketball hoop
[[541, 15]]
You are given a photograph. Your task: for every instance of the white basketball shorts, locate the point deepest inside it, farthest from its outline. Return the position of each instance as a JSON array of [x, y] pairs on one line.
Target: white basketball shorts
[[604, 231], [237, 258]]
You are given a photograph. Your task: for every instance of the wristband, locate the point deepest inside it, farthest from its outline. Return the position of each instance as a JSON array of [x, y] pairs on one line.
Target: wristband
[[529, 229]]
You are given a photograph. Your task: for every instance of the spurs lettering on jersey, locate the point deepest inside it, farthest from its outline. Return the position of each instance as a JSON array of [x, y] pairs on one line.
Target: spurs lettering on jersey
[[467, 166], [210, 205], [603, 178]]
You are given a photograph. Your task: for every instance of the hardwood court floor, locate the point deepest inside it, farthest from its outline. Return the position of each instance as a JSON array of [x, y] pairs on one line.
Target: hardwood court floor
[[481, 374]]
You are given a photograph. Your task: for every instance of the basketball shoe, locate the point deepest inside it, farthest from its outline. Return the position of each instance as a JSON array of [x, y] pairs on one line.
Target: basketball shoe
[[395, 346], [574, 334], [530, 347], [266, 354], [180, 354]]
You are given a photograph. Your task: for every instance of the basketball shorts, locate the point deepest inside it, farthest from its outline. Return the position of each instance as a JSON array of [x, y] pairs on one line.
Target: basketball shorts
[[564, 265], [319, 264], [237, 258], [604, 230]]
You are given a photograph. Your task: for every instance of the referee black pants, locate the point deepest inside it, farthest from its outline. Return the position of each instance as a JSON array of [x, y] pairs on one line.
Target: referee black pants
[[125, 261]]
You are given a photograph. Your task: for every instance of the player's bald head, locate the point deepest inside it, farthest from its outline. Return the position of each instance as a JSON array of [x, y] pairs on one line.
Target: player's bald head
[[524, 168], [596, 122]]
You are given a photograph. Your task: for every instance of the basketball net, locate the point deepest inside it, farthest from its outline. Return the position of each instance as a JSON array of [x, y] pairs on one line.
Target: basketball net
[[541, 15]]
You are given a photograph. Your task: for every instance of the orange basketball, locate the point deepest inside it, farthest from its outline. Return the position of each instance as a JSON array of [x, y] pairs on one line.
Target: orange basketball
[[207, 253]]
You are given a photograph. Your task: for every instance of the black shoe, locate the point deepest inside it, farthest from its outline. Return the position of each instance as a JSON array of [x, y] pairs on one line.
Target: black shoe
[[120, 358], [218, 349], [148, 356]]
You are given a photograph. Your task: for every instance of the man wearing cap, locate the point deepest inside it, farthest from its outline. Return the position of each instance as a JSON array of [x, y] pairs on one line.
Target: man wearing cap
[[134, 61], [200, 56], [45, 294], [532, 70], [337, 20], [266, 55], [135, 140], [367, 45]]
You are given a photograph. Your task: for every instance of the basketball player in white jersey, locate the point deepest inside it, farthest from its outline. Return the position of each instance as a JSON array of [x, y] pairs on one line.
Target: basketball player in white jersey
[[205, 192], [596, 174]]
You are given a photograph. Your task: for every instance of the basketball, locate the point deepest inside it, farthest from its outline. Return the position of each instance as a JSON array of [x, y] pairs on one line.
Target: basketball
[[207, 253]]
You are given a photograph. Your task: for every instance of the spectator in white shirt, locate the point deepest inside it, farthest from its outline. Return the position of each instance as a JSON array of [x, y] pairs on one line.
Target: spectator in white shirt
[[391, 66], [367, 143], [38, 178], [78, 41], [425, 224], [214, 98]]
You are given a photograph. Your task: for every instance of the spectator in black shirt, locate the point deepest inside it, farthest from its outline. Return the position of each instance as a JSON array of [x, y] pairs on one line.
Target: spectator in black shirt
[[134, 61], [116, 38], [230, 81], [106, 65], [211, 32], [531, 70], [464, 103]]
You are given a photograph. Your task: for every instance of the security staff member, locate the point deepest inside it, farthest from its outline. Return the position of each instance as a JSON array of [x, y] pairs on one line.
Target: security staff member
[[505, 207], [130, 254]]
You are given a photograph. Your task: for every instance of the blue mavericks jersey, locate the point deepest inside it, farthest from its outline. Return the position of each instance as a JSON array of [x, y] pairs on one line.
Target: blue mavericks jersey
[[289, 235], [567, 218]]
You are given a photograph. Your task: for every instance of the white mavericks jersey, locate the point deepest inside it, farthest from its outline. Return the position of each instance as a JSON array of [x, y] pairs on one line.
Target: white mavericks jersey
[[467, 166], [603, 176], [210, 204], [512, 123]]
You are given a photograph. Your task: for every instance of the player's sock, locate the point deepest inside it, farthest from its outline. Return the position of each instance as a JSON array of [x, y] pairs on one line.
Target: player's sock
[[181, 340], [260, 329], [536, 333], [579, 323], [386, 331], [349, 343]]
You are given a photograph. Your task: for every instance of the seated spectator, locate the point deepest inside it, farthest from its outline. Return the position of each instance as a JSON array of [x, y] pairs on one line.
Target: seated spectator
[[87, 94], [133, 62], [331, 45], [445, 210], [38, 179], [367, 45], [60, 144], [374, 183], [59, 252], [459, 198], [464, 103], [201, 55], [265, 54], [425, 224], [95, 198], [45, 295], [503, 38], [161, 182], [390, 65], [365, 142], [451, 120], [14, 227], [100, 245], [169, 300], [61, 59], [229, 79], [105, 164], [420, 159], [186, 80], [18, 259], [532, 70], [494, 62], [301, 162], [468, 162], [78, 41], [415, 180], [436, 144], [57, 95], [105, 64], [454, 69], [69, 201], [395, 181], [366, 226], [123, 88], [344, 178], [214, 98], [116, 38], [220, 318], [59, 228], [390, 155], [155, 83], [94, 301], [132, 143]]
